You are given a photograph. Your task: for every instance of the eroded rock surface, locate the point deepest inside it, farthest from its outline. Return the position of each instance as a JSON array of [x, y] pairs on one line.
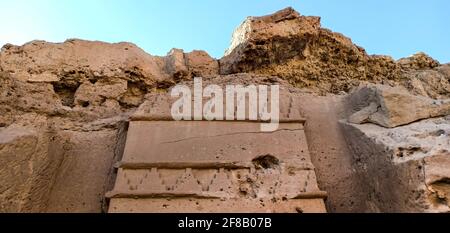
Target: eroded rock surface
[[296, 48], [29, 159], [401, 144], [215, 166], [404, 169], [90, 80], [64, 110], [393, 106]]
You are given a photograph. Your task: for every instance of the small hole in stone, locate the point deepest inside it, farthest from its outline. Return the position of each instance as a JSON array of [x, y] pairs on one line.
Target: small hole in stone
[[84, 104], [266, 162], [92, 80]]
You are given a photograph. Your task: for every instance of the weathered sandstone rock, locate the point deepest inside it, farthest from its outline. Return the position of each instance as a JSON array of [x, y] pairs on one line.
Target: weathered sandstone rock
[[404, 169], [215, 166], [29, 160], [64, 109], [87, 80], [185, 66], [417, 62], [86, 173], [296, 48], [393, 106], [434, 83]]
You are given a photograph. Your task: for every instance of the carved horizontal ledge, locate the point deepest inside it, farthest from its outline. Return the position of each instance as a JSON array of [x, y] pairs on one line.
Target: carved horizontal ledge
[[168, 118], [136, 194], [183, 165], [119, 194], [202, 165]]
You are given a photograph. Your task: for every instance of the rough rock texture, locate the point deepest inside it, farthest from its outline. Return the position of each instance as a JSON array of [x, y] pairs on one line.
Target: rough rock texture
[[232, 164], [391, 107], [298, 49], [83, 177], [401, 148], [29, 160], [330, 154], [65, 108], [405, 169], [432, 83], [88, 80], [82, 90], [215, 166], [184, 66]]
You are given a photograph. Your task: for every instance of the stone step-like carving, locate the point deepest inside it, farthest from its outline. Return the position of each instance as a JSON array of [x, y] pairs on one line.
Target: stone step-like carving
[[219, 183], [216, 166]]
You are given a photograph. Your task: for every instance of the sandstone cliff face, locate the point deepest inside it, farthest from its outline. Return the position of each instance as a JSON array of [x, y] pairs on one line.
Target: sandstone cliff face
[[65, 108], [29, 161], [90, 80], [81, 92], [296, 48]]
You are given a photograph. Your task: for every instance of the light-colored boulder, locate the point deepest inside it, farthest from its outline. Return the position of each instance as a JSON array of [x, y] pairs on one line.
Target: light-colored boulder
[[393, 106], [403, 169]]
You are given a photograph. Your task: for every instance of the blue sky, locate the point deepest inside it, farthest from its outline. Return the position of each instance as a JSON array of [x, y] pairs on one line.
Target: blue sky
[[393, 27]]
